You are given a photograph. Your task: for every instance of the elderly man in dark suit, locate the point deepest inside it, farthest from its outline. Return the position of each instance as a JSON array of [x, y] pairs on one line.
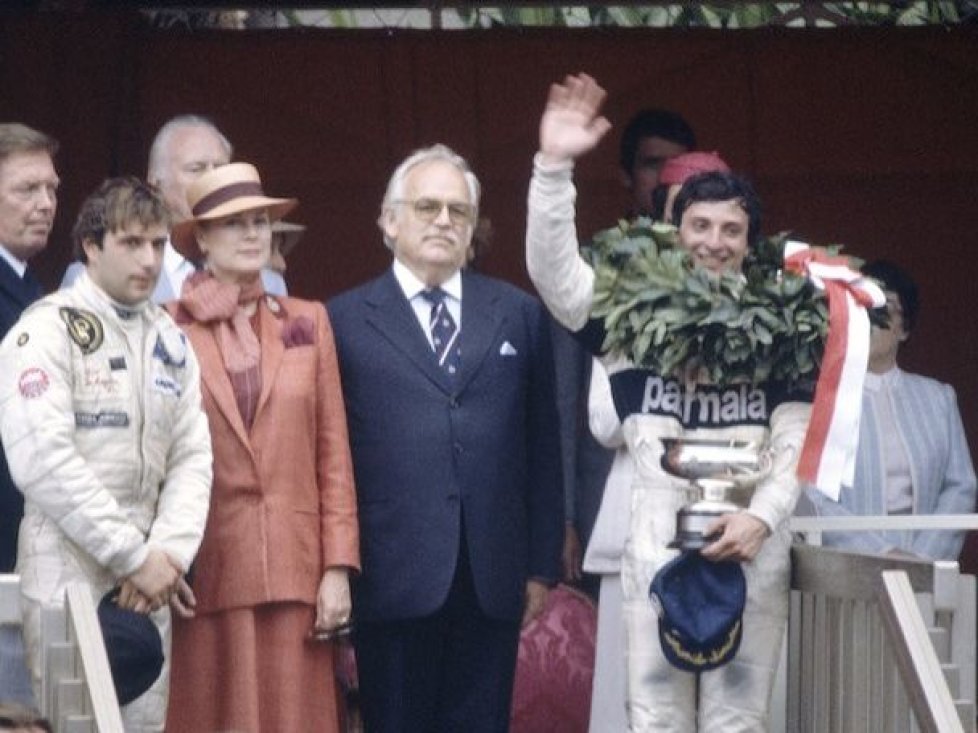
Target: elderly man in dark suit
[[28, 200], [448, 381]]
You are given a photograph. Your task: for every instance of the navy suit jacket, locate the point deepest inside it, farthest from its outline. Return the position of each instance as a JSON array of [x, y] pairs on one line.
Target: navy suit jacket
[[430, 451], [15, 296]]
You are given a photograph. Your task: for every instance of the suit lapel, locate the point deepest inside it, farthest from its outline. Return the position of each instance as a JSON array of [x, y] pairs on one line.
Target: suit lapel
[[481, 323], [214, 376], [272, 348], [390, 314], [14, 285]]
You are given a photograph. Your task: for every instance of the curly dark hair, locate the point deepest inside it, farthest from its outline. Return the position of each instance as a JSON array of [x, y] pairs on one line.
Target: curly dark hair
[[719, 186], [894, 278], [653, 122], [114, 204]]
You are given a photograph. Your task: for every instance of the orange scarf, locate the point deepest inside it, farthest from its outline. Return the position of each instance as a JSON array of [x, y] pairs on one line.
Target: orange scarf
[[222, 304]]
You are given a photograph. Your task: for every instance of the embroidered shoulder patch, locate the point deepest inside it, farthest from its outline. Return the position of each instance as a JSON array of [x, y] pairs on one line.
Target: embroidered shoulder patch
[[171, 348], [84, 328]]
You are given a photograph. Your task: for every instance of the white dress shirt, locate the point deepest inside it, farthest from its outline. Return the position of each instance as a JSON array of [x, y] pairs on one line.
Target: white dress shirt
[[413, 290]]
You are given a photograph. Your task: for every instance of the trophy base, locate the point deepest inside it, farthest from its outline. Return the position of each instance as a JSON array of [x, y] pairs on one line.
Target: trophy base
[[692, 521]]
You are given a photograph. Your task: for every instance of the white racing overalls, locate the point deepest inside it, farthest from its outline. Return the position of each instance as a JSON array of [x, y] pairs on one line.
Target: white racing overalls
[[100, 413], [660, 697]]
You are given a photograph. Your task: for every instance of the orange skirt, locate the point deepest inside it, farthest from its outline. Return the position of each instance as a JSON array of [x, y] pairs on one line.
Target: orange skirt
[[251, 670]]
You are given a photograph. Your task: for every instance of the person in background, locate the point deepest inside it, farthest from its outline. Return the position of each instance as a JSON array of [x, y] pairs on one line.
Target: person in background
[[271, 580], [21, 719], [28, 203], [185, 147], [100, 413], [285, 236], [585, 462], [651, 137], [675, 172], [913, 455], [448, 379]]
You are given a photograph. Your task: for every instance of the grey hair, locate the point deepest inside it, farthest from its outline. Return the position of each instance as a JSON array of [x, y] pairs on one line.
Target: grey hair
[[157, 151], [18, 138], [438, 152]]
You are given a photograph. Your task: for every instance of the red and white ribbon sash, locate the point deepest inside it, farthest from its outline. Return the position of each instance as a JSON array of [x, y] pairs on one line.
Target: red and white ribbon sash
[[828, 456]]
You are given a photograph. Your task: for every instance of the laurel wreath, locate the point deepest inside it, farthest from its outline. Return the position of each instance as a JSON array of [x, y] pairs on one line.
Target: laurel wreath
[[666, 314]]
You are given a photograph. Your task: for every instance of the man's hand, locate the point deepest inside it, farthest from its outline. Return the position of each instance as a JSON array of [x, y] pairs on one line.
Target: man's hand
[[740, 537], [571, 125], [132, 600], [156, 578], [333, 603], [571, 556], [536, 598], [183, 602]]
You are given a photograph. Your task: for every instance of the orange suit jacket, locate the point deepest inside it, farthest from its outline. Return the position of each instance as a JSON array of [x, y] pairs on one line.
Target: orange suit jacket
[[283, 507]]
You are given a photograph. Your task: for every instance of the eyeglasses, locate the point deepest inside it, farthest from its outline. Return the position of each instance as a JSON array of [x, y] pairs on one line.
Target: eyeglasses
[[428, 210]]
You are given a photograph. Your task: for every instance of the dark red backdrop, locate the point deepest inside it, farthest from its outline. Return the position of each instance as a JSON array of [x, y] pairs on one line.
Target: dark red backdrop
[[863, 136]]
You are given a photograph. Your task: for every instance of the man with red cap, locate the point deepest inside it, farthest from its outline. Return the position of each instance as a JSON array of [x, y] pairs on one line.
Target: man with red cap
[[675, 172]]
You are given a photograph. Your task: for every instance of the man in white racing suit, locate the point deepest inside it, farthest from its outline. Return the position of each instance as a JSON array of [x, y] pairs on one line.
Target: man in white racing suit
[[717, 221], [100, 414]]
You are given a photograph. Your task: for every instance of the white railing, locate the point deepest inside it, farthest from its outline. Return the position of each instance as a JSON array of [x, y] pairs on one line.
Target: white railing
[[814, 527], [920, 669], [879, 642], [77, 694], [9, 599]]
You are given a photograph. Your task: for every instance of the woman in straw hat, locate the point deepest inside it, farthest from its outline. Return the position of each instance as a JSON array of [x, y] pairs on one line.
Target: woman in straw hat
[[271, 579]]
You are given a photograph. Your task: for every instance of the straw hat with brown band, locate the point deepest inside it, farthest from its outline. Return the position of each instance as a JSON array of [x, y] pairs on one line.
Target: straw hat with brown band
[[225, 190]]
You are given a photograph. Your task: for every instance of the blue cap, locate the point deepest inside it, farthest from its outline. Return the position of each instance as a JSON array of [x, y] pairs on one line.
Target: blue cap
[[701, 604], [134, 648]]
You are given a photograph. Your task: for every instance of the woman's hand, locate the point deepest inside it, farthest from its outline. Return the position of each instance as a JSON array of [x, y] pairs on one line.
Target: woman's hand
[[183, 602], [333, 605]]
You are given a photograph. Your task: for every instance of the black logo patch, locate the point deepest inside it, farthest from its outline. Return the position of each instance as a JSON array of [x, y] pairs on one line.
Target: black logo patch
[[84, 328], [117, 363]]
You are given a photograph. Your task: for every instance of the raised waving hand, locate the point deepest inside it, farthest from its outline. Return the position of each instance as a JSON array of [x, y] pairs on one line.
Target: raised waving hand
[[572, 124]]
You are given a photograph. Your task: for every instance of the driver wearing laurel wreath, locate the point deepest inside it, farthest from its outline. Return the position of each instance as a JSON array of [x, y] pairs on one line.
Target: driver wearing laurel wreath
[[718, 218]]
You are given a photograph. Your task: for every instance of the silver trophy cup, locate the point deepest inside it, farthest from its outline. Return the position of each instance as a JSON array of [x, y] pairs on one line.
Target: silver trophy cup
[[722, 476]]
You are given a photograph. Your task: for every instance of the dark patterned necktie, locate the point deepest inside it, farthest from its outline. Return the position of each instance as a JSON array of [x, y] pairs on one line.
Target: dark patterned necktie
[[444, 332]]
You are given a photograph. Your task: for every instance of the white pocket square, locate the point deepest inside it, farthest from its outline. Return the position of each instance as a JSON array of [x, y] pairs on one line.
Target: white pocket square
[[507, 349]]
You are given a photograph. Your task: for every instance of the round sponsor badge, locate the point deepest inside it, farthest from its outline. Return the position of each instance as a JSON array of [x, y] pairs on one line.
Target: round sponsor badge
[[33, 383]]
